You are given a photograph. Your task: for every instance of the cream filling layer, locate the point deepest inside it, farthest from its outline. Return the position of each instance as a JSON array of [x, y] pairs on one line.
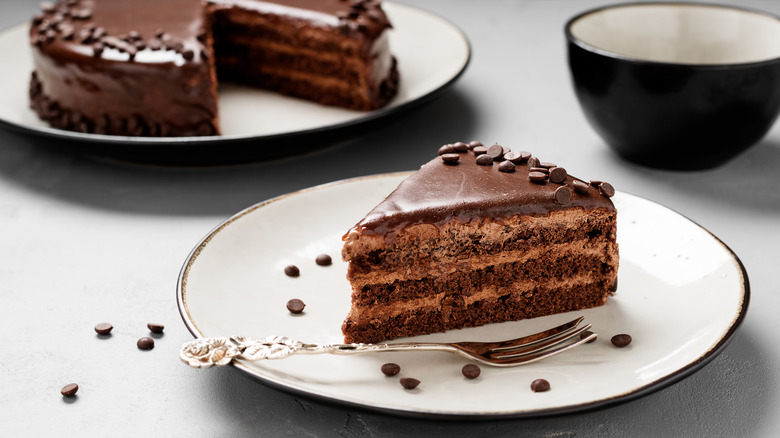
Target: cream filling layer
[[601, 251]]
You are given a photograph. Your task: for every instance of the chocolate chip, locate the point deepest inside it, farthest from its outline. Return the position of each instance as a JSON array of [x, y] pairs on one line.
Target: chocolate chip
[[518, 157], [606, 189], [558, 174], [188, 54], [471, 371], [292, 271], [585, 334], [484, 160], [595, 183], [544, 170], [479, 150], [295, 306], [104, 328], [323, 260], [474, 144], [155, 328], [533, 162], [446, 149], [97, 49], [145, 343], [537, 177], [496, 151], [580, 186], [409, 383], [460, 147], [563, 195], [540, 385], [621, 340], [98, 33], [547, 164], [391, 369], [506, 167], [69, 390], [47, 7], [450, 158]]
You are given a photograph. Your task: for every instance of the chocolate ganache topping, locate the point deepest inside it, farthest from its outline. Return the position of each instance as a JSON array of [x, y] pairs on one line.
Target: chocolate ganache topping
[[471, 182], [356, 17]]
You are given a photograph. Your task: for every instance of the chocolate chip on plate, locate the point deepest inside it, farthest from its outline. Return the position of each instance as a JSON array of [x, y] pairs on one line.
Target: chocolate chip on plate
[[391, 369], [155, 328], [323, 260], [585, 334], [103, 328], [69, 390], [473, 144], [409, 383], [292, 271], [145, 343], [621, 340], [479, 150], [450, 158], [533, 162], [295, 306], [540, 385], [471, 371]]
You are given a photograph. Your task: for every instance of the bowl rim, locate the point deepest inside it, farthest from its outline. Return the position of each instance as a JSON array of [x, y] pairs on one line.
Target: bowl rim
[[572, 39]]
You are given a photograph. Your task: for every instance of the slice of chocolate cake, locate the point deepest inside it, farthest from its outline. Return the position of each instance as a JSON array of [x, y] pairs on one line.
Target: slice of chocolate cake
[[479, 235]]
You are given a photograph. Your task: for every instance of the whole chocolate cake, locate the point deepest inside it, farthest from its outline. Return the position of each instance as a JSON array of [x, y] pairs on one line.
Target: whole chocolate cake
[[479, 235], [150, 67]]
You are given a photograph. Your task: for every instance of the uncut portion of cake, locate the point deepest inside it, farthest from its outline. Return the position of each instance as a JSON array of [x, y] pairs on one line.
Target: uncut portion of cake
[[479, 235], [149, 67], [333, 52], [119, 67]]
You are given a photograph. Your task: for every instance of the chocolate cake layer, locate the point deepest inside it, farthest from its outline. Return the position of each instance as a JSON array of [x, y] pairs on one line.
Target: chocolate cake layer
[[474, 238], [452, 313]]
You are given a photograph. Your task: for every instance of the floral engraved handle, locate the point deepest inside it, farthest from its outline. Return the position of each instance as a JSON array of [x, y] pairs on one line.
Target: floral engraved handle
[[205, 352]]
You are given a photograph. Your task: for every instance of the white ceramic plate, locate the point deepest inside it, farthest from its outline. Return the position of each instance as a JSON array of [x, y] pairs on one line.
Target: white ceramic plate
[[682, 293], [432, 54]]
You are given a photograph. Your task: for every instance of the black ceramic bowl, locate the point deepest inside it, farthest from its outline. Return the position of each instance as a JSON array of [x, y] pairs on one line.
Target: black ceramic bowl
[[677, 85]]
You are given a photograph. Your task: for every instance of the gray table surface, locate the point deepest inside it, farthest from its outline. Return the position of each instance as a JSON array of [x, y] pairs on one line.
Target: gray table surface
[[84, 241]]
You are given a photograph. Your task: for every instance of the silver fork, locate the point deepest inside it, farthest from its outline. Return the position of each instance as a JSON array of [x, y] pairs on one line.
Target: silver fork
[[205, 352]]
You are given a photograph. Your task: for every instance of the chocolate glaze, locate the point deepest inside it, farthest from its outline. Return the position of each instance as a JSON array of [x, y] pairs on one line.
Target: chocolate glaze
[[359, 17], [466, 191]]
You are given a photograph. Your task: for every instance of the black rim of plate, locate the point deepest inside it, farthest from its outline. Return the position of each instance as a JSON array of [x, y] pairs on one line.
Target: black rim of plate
[[639, 392]]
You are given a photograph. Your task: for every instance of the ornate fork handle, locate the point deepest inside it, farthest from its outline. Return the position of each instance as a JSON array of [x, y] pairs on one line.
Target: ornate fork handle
[[205, 352]]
